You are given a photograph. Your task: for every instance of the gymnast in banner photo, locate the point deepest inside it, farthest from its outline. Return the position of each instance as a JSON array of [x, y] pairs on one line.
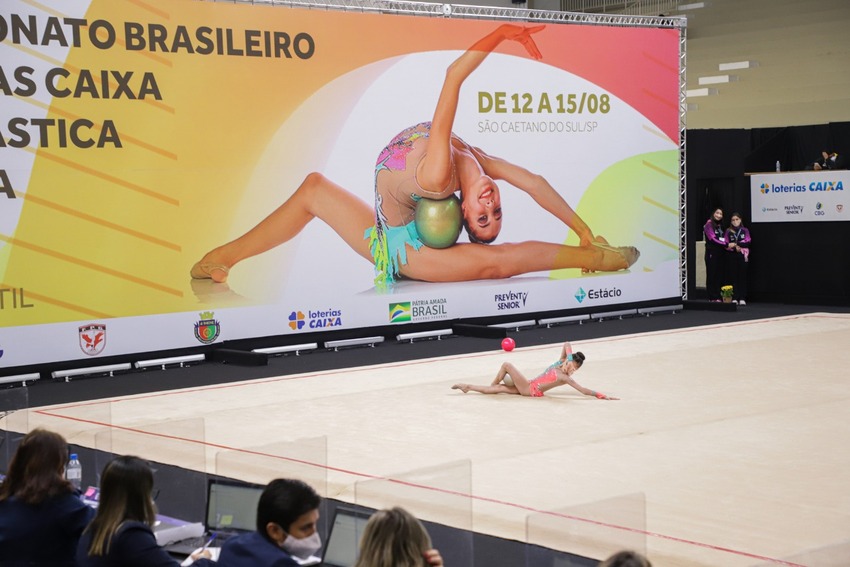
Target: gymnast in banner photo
[[428, 185]]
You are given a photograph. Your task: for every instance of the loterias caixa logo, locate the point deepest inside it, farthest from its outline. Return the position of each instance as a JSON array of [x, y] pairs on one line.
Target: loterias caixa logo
[[207, 329], [318, 319], [92, 338]]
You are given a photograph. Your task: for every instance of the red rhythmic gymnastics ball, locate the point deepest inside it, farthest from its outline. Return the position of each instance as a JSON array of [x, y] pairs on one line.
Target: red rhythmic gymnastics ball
[[508, 344]]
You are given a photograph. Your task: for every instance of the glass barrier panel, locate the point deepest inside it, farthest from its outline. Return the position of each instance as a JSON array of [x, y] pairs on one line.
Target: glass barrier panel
[[592, 531], [440, 496], [254, 467], [14, 422], [835, 555], [177, 452]]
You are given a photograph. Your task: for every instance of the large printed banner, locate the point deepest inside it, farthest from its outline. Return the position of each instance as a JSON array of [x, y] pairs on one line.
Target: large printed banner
[[800, 196], [142, 139]]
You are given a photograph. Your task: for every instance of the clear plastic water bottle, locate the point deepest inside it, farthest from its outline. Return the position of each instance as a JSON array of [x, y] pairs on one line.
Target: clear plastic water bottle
[[74, 471], [777, 166]]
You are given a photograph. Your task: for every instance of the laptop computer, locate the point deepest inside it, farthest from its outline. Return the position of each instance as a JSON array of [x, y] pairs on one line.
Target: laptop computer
[[343, 540], [231, 510]]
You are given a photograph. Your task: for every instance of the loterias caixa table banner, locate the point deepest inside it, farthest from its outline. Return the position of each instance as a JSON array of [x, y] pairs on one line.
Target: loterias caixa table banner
[[176, 173]]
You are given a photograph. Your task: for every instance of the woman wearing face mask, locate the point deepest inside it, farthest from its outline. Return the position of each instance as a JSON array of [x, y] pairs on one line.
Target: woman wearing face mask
[[738, 247], [287, 519], [121, 533]]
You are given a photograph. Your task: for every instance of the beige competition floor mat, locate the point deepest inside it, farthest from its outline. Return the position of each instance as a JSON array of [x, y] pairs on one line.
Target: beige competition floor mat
[[730, 445]]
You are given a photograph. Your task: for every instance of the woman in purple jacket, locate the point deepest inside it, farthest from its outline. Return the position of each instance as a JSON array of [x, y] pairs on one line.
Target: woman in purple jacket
[[738, 253], [715, 244]]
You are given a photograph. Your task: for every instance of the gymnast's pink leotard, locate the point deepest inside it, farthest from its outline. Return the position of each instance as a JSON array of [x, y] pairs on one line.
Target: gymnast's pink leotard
[[550, 375]]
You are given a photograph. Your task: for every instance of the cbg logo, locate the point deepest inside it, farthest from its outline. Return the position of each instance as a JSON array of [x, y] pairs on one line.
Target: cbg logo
[[580, 295], [818, 210], [296, 320], [400, 312]]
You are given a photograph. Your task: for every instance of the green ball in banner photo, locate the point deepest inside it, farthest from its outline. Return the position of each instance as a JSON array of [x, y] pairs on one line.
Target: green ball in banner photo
[[438, 222]]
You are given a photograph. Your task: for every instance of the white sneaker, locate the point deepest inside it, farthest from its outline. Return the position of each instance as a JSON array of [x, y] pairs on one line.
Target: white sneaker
[[742, 302], [735, 301]]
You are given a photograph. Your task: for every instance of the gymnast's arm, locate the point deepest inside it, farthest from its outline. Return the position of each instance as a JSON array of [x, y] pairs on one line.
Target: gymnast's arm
[[566, 350], [434, 172], [565, 379], [537, 187]]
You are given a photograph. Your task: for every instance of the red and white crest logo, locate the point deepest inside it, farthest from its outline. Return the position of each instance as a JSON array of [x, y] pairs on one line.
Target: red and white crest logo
[[93, 339]]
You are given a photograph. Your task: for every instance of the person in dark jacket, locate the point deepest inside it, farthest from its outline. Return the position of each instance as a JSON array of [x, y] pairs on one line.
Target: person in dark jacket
[[738, 240], [715, 246], [829, 160], [121, 533], [41, 514], [287, 528]]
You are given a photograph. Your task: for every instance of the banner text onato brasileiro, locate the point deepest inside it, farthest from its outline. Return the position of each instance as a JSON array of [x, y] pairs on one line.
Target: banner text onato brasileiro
[[32, 31]]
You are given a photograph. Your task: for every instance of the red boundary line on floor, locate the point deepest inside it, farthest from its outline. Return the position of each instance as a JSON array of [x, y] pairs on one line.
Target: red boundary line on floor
[[433, 489]]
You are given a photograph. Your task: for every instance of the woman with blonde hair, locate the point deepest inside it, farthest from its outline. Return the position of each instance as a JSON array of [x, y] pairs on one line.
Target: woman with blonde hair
[[41, 515], [121, 533], [395, 538]]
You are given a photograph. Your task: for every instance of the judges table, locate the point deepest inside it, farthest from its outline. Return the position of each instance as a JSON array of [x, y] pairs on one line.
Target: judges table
[[811, 196]]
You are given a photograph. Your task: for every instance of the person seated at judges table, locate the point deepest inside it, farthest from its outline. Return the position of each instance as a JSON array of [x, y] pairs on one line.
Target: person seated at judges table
[[395, 538], [626, 559], [287, 522], [829, 160], [121, 533], [41, 514]]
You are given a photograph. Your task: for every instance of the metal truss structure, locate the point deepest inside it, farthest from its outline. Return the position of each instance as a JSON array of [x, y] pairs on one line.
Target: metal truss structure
[[428, 9], [435, 10], [683, 194], [620, 6]]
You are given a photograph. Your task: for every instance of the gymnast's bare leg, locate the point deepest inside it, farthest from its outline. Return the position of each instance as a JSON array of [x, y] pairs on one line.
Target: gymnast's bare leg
[[521, 385], [317, 196]]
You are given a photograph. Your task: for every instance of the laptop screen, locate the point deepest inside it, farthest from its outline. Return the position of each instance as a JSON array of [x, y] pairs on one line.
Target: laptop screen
[[232, 507], [344, 537]]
